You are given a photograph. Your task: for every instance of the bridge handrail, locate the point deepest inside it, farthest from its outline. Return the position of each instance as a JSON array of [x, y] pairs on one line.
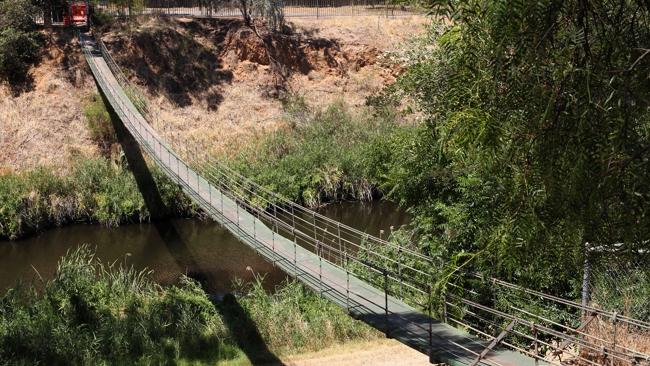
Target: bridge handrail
[[577, 340]]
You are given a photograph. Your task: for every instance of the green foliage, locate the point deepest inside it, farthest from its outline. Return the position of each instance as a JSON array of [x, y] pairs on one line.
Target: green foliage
[[271, 11], [295, 319], [321, 156], [90, 314], [19, 43], [93, 314], [537, 138], [94, 191], [99, 123]]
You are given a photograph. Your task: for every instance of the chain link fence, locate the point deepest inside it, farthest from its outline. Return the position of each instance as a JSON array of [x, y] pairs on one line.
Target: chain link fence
[[618, 282]]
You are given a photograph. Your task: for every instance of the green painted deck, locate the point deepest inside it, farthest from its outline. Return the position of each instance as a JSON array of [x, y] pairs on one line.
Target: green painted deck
[[363, 301]]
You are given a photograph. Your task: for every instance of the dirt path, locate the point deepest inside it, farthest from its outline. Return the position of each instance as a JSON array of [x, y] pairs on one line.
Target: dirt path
[[383, 352]]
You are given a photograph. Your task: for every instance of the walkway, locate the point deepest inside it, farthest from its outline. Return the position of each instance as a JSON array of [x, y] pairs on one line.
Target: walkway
[[442, 342]]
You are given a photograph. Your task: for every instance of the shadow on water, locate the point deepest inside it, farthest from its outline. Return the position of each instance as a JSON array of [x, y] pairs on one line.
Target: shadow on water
[[236, 318], [245, 332], [177, 246]]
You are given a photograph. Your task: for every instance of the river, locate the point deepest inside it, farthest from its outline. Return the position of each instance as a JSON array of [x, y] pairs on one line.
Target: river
[[201, 249]]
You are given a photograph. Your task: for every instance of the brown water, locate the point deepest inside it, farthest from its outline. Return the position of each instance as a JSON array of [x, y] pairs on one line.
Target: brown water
[[201, 249]]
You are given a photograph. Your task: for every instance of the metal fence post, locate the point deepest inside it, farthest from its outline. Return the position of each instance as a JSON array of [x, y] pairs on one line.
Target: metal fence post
[[614, 321]]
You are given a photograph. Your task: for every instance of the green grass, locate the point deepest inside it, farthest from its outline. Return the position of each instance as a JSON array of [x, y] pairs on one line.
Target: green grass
[[324, 155], [96, 191], [99, 123], [94, 314]]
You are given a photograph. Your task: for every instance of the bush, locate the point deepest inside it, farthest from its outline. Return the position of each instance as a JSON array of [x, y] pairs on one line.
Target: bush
[[95, 191], [294, 318], [90, 314], [19, 43], [93, 314], [324, 155], [99, 123]]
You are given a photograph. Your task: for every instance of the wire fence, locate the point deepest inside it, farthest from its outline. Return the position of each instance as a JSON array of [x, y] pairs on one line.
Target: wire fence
[[620, 282], [220, 8]]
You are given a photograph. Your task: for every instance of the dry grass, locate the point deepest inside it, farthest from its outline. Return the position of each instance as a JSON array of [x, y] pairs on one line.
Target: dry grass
[[624, 338], [382, 33], [350, 69], [45, 125]]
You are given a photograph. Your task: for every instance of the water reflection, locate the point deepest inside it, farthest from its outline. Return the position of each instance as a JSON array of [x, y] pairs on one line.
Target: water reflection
[[200, 249]]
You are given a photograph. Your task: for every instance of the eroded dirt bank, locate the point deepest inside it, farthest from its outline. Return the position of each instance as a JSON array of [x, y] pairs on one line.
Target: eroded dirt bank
[[208, 79]]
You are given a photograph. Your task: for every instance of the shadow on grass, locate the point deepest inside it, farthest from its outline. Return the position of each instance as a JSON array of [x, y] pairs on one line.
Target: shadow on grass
[[245, 332], [176, 245], [241, 326]]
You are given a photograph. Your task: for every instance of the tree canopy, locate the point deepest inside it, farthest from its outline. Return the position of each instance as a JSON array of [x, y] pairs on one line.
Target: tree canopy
[[537, 138]]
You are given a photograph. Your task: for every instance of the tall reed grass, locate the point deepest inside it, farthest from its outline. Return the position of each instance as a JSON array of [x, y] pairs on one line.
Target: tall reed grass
[[96, 191], [90, 313], [324, 155]]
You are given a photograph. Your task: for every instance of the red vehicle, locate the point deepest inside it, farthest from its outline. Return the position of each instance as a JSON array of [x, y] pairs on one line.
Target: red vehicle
[[77, 13]]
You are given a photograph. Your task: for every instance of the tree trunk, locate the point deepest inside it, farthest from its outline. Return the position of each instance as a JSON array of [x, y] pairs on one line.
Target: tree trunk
[[47, 13]]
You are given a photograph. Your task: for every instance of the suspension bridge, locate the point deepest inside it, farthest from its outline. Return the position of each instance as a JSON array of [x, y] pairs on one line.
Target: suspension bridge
[[381, 283]]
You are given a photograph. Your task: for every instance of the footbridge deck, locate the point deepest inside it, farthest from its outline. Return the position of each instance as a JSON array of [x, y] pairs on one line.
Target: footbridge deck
[[279, 244]]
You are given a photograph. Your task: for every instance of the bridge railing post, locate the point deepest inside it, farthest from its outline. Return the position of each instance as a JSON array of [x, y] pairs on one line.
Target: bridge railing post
[[347, 286], [614, 321], [387, 330], [430, 306], [320, 267], [399, 270], [338, 234], [444, 307], [221, 195], [237, 207], [295, 251], [535, 344]]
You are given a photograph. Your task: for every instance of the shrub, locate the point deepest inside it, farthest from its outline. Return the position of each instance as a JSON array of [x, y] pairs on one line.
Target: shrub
[[91, 314], [294, 318], [323, 155], [94, 314], [99, 123], [19, 43], [95, 191]]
